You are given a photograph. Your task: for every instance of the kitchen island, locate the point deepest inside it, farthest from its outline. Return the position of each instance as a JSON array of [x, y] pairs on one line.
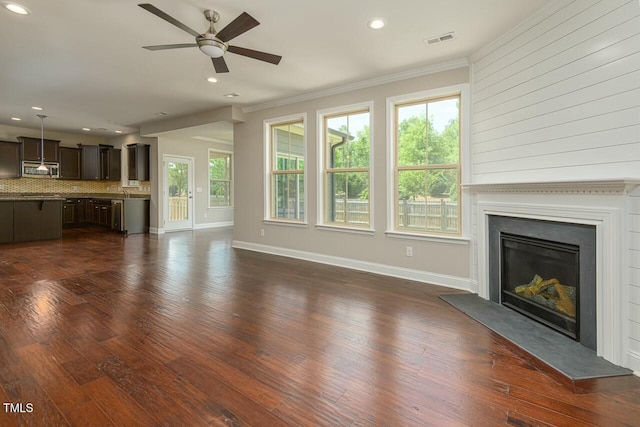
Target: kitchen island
[[30, 217]]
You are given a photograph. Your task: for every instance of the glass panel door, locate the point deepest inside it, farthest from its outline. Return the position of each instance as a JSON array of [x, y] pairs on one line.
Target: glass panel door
[[178, 194]]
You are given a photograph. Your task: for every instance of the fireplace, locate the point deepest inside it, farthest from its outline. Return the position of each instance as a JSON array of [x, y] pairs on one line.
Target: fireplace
[[546, 271]]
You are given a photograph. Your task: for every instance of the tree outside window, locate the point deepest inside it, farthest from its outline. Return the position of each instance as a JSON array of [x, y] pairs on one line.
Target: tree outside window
[[346, 172], [427, 163], [220, 179], [287, 171]]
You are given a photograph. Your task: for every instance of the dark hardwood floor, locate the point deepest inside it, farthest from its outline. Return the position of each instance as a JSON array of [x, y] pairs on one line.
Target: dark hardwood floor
[[183, 330]]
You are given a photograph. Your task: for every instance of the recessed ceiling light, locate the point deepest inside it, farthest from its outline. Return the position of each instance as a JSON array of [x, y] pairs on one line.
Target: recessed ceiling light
[[17, 119], [376, 24], [118, 131], [212, 80], [162, 113], [16, 8], [37, 108], [232, 95], [86, 129]]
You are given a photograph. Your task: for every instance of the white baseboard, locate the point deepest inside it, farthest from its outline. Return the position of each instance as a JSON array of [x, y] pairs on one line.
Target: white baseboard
[[213, 225], [154, 230], [370, 267], [633, 362]]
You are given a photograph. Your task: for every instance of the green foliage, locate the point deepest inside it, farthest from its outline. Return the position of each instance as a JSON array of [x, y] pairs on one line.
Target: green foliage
[[419, 143], [178, 179], [352, 154]]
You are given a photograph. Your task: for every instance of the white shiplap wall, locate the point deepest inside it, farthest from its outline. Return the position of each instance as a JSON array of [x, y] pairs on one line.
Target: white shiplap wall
[[634, 280], [558, 98]]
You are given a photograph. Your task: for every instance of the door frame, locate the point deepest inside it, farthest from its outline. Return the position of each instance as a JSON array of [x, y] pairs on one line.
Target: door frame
[[189, 223]]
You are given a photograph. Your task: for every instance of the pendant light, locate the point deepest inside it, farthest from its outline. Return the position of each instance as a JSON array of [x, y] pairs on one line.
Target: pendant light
[[42, 167]]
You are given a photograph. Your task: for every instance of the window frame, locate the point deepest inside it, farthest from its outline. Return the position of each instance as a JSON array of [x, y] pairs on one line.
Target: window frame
[[269, 125], [230, 180], [464, 213], [321, 117]]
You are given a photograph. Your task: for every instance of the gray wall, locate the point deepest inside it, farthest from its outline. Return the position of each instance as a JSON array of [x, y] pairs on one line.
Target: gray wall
[[434, 261], [204, 217]]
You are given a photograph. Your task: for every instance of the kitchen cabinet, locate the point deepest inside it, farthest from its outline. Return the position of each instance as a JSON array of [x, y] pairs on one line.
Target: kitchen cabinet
[[138, 166], [31, 149], [82, 211], [9, 159], [37, 220], [100, 162], [99, 212], [70, 213], [110, 163], [70, 163], [90, 159], [6, 222]]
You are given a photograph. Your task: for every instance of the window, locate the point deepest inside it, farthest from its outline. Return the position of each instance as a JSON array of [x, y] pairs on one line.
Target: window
[[220, 183], [346, 142], [427, 170], [286, 149]]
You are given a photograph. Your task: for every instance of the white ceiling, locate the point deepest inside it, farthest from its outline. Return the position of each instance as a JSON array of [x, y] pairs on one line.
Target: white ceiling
[[82, 61]]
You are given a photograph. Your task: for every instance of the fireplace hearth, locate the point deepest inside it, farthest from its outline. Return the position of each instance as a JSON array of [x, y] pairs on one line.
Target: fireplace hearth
[[545, 270]]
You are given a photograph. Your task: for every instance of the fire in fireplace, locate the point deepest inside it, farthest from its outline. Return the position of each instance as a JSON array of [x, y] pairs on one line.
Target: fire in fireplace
[[546, 271]]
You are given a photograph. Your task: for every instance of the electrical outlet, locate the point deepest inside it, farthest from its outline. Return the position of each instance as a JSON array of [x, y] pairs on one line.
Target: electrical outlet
[[409, 251], [205, 215], [1, 186], [262, 232], [75, 188]]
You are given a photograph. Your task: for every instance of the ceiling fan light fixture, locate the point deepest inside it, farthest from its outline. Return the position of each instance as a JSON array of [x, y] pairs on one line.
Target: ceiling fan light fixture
[[212, 47]]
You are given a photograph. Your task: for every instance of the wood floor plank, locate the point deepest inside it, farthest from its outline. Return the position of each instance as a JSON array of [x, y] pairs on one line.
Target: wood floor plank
[[181, 329]]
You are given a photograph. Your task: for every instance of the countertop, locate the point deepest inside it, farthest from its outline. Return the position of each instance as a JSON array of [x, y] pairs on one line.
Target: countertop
[[22, 197], [10, 197]]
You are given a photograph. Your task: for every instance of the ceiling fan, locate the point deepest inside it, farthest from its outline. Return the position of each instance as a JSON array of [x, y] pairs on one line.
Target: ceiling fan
[[215, 43]]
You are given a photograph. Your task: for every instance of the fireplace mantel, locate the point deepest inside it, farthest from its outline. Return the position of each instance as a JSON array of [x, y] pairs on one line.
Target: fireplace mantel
[[611, 186], [601, 203]]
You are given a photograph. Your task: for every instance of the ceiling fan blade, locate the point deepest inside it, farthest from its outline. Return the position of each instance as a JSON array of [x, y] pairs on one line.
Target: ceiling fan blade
[[170, 46], [243, 23], [255, 54], [220, 65], [170, 19]]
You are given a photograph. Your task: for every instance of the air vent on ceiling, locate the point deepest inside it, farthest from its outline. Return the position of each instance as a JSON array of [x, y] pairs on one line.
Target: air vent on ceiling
[[440, 38]]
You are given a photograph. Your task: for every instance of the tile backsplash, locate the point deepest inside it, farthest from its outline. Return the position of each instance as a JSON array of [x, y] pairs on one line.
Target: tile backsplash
[[54, 186]]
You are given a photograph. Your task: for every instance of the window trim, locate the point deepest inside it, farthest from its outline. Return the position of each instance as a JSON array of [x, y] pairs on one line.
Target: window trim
[[268, 124], [464, 208], [321, 115], [231, 176]]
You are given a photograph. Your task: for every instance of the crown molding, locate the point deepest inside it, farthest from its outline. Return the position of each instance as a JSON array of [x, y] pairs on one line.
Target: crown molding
[[404, 75]]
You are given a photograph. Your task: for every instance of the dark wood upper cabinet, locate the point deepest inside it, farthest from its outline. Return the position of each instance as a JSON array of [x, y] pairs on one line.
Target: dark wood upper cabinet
[[31, 149], [9, 159], [70, 163], [90, 157], [110, 163], [138, 155]]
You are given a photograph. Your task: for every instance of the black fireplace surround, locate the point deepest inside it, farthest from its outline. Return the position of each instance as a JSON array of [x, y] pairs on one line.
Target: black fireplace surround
[[546, 270]]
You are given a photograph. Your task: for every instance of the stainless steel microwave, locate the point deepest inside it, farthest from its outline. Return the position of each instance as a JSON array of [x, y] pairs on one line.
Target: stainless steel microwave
[[30, 170]]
